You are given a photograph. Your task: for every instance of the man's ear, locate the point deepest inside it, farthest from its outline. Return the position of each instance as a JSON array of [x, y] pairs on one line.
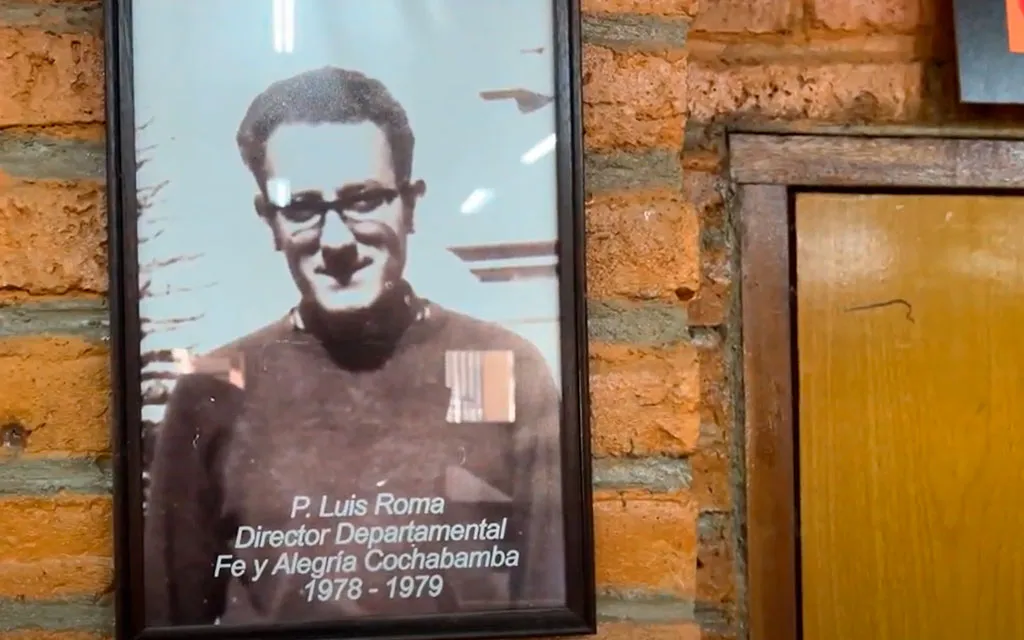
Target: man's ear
[[416, 191], [259, 202]]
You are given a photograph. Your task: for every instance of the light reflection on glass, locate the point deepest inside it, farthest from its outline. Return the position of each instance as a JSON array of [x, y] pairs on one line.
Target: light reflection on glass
[[284, 26], [541, 149], [279, 191], [476, 201]]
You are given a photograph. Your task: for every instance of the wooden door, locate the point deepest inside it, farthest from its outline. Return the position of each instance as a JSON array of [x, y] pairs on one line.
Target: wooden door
[[910, 330]]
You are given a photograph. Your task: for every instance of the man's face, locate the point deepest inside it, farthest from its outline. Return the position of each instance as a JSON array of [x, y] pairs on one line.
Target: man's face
[[336, 212]]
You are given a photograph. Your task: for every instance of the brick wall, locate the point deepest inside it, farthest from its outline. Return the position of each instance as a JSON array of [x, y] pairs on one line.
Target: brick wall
[[661, 78]]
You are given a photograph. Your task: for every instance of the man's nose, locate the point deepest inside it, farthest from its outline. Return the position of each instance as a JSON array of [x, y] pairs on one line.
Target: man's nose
[[336, 233]]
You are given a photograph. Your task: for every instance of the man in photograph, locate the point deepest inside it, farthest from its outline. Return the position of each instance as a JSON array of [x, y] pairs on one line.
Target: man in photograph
[[370, 453]]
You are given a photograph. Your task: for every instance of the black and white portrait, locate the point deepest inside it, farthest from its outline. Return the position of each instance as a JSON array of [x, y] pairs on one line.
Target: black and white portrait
[[349, 298]]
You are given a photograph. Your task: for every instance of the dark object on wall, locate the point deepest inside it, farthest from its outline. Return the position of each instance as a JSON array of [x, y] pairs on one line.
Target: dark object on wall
[[990, 50], [347, 404]]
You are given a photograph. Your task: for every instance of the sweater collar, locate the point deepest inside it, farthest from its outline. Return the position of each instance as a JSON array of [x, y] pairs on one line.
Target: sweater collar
[[375, 331]]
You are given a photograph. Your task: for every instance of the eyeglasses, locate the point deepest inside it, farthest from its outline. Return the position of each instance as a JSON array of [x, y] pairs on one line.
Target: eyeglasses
[[308, 207]]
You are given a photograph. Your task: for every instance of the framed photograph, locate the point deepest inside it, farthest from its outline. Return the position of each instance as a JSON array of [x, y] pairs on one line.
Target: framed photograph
[[348, 319], [990, 50]]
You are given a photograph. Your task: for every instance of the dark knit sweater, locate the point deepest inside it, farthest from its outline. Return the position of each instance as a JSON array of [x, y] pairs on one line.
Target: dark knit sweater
[[313, 422]]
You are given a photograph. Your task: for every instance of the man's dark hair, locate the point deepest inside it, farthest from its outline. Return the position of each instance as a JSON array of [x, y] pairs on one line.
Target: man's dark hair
[[319, 96]]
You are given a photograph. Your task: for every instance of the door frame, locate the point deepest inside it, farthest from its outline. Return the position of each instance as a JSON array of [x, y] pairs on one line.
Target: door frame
[[766, 170]]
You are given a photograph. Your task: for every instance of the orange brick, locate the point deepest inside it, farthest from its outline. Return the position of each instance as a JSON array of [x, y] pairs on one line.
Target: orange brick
[[641, 245], [711, 473], [39, 634], [646, 541], [744, 16], [708, 304], [52, 236], [714, 390], [711, 466], [57, 388], [51, 77], [839, 92], [716, 566], [704, 191], [642, 7], [644, 400], [56, 578], [634, 631], [633, 99], [36, 528], [874, 15], [711, 305]]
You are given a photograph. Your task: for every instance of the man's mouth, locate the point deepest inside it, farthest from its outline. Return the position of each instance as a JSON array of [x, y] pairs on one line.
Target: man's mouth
[[343, 274]]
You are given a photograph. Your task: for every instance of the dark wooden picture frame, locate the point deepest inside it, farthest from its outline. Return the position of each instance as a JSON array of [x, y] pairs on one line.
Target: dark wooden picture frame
[[767, 170], [578, 615], [989, 68]]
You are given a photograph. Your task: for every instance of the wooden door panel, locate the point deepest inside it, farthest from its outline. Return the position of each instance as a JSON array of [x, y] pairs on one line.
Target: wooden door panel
[[910, 333]]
